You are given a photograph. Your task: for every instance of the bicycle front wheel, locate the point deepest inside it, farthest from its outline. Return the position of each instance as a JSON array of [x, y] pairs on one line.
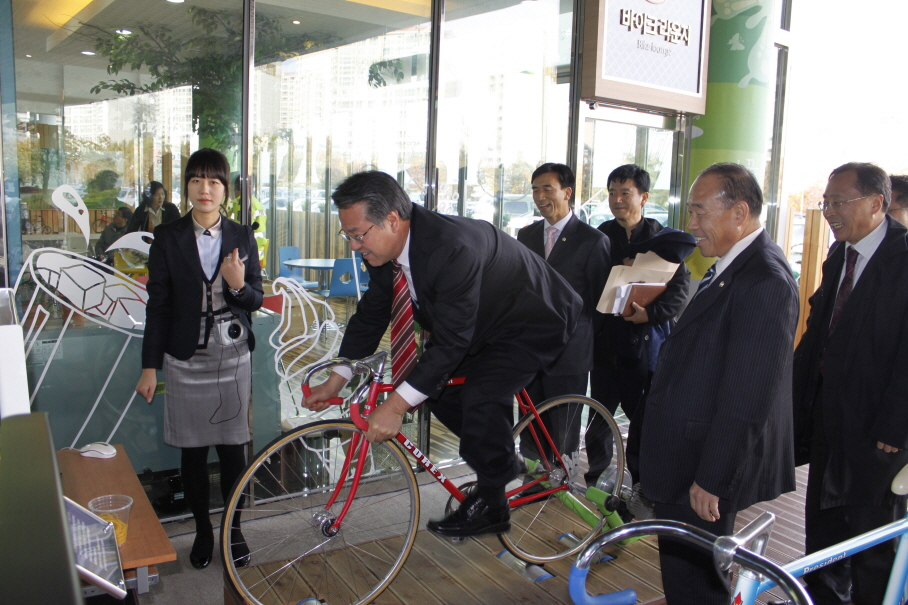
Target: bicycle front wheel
[[562, 524], [281, 505]]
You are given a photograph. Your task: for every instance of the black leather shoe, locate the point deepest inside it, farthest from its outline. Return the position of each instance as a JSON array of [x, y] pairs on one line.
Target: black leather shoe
[[474, 518], [202, 546], [239, 550]]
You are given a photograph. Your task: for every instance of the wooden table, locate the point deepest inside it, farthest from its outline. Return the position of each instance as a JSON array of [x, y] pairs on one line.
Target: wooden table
[[146, 543]]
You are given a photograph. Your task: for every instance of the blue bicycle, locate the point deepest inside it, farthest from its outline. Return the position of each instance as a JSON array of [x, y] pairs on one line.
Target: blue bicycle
[[746, 548]]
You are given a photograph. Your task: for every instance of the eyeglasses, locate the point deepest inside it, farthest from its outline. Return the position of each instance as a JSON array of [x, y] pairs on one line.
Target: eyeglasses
[[354, 238], [836, 205]]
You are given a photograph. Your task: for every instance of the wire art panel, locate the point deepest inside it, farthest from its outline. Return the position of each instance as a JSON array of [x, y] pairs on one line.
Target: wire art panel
[[295, 353], [83, 288]]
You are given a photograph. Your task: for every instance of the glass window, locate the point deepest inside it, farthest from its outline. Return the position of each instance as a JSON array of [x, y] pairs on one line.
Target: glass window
[[356, 98], [503, 105]]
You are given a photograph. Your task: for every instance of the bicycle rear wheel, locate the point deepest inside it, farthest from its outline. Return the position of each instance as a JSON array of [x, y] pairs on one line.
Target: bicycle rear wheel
[[282, 498], [561, 525]]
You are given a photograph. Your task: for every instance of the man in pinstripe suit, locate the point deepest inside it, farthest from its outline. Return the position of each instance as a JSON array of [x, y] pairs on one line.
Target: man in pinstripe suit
[[717, 428]]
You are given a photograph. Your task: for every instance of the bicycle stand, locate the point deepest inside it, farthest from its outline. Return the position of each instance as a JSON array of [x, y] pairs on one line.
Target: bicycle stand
[[532, 572]]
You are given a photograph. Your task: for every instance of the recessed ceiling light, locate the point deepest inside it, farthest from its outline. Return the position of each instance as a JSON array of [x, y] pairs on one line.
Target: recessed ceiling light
[[123, 32], [87, 52], [295, 22], [28, 56], [176, 1]]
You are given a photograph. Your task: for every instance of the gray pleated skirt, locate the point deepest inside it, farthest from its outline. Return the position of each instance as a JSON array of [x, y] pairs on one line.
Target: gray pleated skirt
[[206, 397]]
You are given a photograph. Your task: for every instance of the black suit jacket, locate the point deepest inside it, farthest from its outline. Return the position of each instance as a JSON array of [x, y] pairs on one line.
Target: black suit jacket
[[139, 219], [865, 374], [719, 408], [173, 316], [475, 286], [581, 256]]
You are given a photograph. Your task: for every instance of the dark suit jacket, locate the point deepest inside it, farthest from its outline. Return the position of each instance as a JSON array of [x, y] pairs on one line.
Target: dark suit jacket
[[475, 286], [626, 339], [865, 374], [173, 316], [581, 256], [719, 409], [139, 220]]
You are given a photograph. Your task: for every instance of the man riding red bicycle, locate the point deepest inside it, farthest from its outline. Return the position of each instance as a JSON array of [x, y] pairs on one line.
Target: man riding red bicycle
[[497, 314]]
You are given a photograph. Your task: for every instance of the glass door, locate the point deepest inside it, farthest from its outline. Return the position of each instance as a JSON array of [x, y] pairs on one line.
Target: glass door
[[607, 144]]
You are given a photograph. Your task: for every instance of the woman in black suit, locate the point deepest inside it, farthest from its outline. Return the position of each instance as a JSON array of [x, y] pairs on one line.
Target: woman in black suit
[[155, 207], [204, 281]]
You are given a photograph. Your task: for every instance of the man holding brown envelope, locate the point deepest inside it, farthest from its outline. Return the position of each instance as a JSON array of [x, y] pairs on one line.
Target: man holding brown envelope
[[625, 348]]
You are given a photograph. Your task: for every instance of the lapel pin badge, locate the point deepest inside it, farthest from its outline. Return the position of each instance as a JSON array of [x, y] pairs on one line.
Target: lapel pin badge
[[721, 284]]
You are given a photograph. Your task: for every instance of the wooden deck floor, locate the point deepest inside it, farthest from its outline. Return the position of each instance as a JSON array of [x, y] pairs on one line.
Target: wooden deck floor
[[439, 571]]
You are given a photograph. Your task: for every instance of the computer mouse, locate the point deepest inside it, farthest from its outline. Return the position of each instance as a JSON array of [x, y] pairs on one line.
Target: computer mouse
[[99, 450]]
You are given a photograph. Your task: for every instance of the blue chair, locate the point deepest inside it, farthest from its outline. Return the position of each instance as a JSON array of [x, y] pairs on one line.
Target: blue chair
[[361, 272], [342, 283], [290, 253]]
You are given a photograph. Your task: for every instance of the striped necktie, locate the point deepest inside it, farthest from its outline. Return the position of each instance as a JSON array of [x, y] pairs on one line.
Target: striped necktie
[[403, 340], [707, 278]]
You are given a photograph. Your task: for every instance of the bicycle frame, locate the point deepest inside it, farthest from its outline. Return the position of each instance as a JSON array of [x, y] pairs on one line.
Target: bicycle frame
[[361, 446], [749, 585], [729, 549]]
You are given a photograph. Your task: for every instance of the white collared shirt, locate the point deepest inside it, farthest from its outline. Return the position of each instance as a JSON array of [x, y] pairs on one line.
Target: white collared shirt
[[734, 251], [209, 244], [865, 249]]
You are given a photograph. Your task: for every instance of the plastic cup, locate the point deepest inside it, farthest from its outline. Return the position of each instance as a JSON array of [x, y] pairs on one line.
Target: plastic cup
[[115, 509]]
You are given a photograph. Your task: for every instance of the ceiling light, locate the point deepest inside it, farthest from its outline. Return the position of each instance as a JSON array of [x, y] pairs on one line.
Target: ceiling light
[[295, 22], [87, 52], [123, 32], [28, 56], [176, 1]]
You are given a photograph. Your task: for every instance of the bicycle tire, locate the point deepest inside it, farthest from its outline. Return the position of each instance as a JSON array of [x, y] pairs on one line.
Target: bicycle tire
[[291, 481], [98, 226], [538, 528]]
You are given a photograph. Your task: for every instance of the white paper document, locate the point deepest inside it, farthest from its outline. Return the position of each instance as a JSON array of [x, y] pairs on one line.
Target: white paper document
[[647, 268]]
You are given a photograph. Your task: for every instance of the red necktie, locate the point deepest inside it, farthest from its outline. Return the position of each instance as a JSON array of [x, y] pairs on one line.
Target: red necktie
[[403, 340], [845, 289]]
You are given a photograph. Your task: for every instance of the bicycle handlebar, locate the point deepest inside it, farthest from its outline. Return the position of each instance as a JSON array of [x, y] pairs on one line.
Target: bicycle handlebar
[[740, 555], [362, 367]]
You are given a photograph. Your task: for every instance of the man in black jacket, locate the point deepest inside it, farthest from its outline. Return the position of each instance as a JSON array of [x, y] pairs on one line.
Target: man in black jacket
[[626, 347], [496, 312], [850, 385]]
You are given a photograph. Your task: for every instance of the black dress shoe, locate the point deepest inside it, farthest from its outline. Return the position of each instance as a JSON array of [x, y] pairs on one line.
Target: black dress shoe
[[239, 550], [475, 517], [202, 546]]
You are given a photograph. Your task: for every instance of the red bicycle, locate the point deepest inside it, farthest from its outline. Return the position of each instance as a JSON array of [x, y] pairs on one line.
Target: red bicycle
[[329, 516]]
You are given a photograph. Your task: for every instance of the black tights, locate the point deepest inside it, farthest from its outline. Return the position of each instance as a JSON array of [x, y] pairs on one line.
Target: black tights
[[194, 463]]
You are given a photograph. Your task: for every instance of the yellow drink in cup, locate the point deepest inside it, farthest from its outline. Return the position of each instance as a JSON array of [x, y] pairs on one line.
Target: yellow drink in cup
[[115, 509]]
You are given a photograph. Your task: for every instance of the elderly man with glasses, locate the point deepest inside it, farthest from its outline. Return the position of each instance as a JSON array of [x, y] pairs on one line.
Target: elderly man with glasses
[[850, 385]]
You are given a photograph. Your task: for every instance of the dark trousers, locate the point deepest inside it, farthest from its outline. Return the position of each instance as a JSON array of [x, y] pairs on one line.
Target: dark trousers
[[623, 380], [689, 576], [481, 413], [861, 578]]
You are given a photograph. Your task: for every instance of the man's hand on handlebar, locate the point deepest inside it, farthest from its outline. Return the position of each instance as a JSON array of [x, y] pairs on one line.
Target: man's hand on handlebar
[[386, 419], [318, 399]]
